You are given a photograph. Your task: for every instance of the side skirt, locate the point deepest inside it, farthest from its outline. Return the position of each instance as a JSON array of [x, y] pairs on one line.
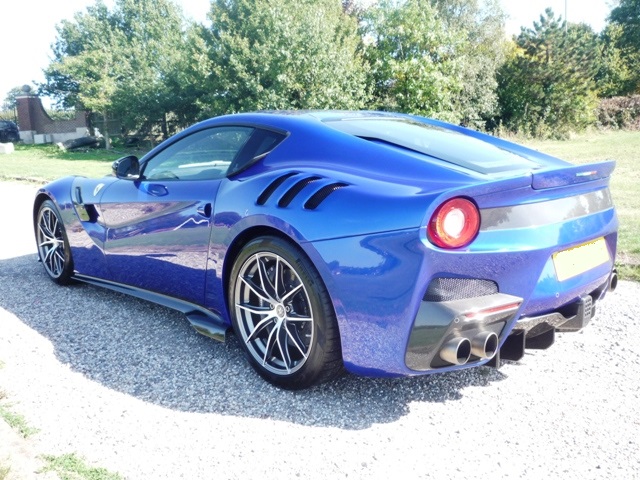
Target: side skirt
[[202, 320]]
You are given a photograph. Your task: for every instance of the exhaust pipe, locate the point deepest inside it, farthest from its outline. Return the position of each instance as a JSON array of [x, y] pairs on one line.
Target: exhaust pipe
[[613, 280], [484, 345], [456, 351]]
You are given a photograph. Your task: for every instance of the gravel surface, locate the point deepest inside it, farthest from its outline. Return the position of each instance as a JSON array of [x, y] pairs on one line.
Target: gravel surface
[[132, 388]]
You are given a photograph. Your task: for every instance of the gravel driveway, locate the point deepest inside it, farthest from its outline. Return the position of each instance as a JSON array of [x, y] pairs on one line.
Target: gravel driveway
[[129, 386]]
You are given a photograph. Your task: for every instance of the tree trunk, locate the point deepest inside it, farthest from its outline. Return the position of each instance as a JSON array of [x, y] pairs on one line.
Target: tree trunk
[[165, 130], [105, 133]]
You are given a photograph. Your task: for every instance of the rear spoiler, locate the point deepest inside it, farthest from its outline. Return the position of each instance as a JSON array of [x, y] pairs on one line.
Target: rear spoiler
[[559, 177]]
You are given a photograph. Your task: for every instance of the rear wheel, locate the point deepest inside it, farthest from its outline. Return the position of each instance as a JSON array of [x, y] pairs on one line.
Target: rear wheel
[[53, 245], [282, 315]]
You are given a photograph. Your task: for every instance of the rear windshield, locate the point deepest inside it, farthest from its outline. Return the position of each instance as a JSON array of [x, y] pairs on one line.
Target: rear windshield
[[438, 142]]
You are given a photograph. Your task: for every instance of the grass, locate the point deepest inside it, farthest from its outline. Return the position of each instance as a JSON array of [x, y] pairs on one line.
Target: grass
[[72, 467], [4, 471], [42, 163], [15, 420]]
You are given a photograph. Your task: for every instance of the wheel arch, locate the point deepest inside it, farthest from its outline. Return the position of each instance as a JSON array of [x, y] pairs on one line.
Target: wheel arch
[[240, 241], [41, 197]]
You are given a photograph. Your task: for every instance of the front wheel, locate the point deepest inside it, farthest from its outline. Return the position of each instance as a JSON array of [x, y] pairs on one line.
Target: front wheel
[[53, 245], [283, 316]]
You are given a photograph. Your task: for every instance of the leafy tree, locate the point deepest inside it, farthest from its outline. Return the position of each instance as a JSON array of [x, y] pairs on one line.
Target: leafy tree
[[627, 16], [547, 84], [412, 58], [152, 52], [481, 23], [282, 54], [436, 57], [10, 100], [615, 75], [120, 63]]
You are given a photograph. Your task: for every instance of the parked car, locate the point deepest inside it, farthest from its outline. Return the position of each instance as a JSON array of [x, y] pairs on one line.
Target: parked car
[[9, 132], [385, 243]]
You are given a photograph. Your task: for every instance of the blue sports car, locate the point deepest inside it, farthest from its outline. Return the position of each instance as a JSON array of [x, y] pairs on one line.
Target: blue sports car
[[383, 243]]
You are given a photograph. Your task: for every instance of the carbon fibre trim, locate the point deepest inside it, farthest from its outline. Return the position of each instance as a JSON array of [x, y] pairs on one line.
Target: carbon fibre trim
[[288, 197], [545, 213], [321, 195], [264, 196]]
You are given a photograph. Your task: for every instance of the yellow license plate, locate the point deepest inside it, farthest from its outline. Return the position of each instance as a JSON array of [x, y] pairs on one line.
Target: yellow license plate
[[577, 260]]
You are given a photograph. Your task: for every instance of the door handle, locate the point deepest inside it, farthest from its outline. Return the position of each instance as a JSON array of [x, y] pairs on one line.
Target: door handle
[[204, 210]]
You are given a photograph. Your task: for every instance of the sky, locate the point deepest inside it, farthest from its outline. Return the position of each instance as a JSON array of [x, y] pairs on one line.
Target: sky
[[27, 32]]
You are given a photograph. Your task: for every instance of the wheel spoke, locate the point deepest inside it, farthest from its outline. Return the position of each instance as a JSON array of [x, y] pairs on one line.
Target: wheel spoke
[[44, 225], [269, 345], [276, 277], [299, 319], [283, 346], [259, 327], [295, 341], [44, 234], [256, 310], [254, 289], [291, 293], [266, 280], [49, 255]]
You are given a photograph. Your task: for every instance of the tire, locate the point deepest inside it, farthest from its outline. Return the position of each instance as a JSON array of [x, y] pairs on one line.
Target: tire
[[53, 244], [282, 315]]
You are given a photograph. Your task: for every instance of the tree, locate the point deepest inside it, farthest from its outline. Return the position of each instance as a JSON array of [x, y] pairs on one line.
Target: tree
[[119, 63], [10, 101], [615, 77], [282, 54], [481, 23], [547, 84], [155, 42], [411, 57], [435, 57], [627, 16]]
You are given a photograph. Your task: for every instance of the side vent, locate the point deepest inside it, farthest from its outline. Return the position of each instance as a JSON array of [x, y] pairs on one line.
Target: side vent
[[288, 197], [264, 196], [320, 196]]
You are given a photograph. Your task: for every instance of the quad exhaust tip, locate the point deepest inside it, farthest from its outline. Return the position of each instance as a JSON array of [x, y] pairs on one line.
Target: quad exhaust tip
[[484, 345], [613, 280], [458, 350]]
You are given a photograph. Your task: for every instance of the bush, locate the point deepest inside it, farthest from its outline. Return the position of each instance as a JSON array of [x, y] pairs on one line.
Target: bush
[[619, 113]]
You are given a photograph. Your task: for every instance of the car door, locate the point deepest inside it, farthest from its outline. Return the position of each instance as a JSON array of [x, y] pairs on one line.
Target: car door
[[159, 225]]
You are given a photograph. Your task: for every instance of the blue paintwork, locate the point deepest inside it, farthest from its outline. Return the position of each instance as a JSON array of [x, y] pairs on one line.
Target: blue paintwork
[[367, 240]]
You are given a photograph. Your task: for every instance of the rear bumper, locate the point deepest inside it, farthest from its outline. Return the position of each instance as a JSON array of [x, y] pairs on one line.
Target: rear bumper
[[465, 324]]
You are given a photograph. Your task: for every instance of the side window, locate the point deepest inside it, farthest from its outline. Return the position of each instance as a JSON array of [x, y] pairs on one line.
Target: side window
[[204, 155], [261, 143]]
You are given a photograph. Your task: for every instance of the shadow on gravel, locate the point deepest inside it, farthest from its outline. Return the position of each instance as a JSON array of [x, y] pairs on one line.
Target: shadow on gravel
[[151, 353]]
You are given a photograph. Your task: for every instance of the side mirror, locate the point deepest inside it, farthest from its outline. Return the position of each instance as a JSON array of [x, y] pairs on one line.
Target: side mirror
[[127, 168]]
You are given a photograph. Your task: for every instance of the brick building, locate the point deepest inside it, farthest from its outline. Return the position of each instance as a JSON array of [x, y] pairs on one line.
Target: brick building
[[37, 127]]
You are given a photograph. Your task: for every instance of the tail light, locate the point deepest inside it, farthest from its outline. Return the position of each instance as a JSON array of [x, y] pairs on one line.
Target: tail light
[[454, 224]]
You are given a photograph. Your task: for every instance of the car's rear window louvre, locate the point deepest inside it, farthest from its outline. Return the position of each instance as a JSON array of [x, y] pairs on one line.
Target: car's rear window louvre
[[320, 196], [288, 197], [264, 196]]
